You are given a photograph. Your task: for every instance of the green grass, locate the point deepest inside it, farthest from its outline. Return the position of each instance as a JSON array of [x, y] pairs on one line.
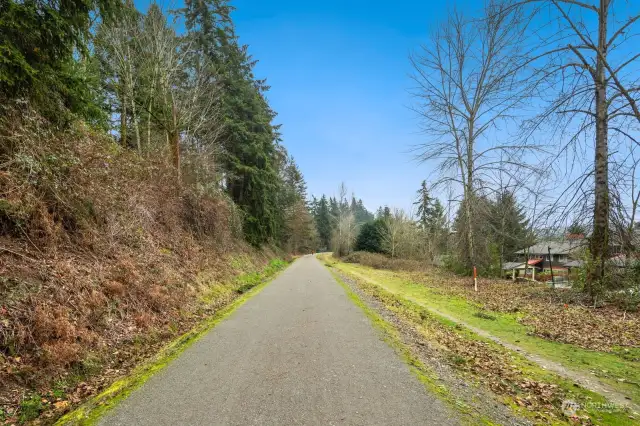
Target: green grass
[[30, 408], [96, 407], [594, 405], [608, 366], [248, 281]]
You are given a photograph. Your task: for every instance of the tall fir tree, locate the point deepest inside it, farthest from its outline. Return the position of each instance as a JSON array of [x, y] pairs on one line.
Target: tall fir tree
[[424, 205], [45, 56], [249, 138], [362, 215], [508, 225], [334, 211], [324, 222], [370, 237]]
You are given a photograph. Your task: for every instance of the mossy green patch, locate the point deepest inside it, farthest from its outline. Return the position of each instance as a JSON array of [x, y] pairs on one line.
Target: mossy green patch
[[242, 263], [97, 406], [30, 408]]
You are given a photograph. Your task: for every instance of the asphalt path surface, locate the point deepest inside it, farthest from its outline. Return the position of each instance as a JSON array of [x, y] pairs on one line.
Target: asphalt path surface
[[299, 352]]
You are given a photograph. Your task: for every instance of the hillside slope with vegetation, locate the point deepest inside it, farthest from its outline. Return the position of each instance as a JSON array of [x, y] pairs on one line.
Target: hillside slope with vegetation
[[143, 186], [104, 256]]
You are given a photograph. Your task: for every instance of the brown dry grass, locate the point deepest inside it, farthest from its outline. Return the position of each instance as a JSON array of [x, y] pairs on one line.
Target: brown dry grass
[[100, 249], [380, 261]]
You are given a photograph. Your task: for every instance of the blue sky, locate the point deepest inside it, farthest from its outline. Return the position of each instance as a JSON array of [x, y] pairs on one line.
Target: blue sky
[[338, 71], [339, 76]]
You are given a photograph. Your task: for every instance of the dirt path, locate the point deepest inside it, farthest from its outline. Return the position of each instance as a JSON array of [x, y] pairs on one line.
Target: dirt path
[[584, 380], [299, 352]]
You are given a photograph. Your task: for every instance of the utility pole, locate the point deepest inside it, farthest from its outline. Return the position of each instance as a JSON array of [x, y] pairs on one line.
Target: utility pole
[[553, 283]]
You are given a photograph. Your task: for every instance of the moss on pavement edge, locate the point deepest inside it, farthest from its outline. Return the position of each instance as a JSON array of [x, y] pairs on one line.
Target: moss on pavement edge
[[92, 410]]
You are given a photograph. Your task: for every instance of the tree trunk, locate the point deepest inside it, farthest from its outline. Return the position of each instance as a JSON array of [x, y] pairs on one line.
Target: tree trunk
[[148, 147], [174, 141], [470, 245], [151, 92], [135, 125], [134, 117], [502, 240], [600, 237], [123, 119], [175, 138], [469, 193]]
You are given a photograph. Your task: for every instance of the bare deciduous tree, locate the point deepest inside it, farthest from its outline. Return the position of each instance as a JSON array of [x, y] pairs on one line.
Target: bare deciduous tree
[[183, 89], [117, 44], [344, 233], [401, 236], [587, 60], [469, 87], [156, 74]]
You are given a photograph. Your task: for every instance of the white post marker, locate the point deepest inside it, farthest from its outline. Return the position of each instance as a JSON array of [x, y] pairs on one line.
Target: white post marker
[[475, 279]]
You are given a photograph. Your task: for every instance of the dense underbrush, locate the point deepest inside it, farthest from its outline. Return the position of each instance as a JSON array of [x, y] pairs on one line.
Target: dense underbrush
[[381, 261], [101, 249]]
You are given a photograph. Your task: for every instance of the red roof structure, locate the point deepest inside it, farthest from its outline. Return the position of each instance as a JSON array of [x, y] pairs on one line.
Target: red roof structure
[[575, 236]]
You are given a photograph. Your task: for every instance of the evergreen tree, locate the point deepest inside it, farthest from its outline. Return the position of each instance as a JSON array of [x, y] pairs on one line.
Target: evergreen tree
[[386, 213], [250, 140], [370, 237], [313, 207], [329, 210], [334, 211], [323, 222], [294, 181], [508, 225], [362, 215], [37, 44], [430, 212], [424, 204], [435, 217], [300, 230]]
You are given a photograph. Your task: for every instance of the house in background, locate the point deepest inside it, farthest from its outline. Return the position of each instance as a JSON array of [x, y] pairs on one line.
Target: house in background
[[531, 268], [557, 253], [541, 257]]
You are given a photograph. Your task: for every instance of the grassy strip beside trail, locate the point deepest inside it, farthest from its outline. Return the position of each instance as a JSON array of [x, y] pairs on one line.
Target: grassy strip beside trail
[[246, 286], [621, 374], [526, 387]]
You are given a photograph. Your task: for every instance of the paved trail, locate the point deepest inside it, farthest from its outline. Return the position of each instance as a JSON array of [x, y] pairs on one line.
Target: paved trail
[[299, 352]]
